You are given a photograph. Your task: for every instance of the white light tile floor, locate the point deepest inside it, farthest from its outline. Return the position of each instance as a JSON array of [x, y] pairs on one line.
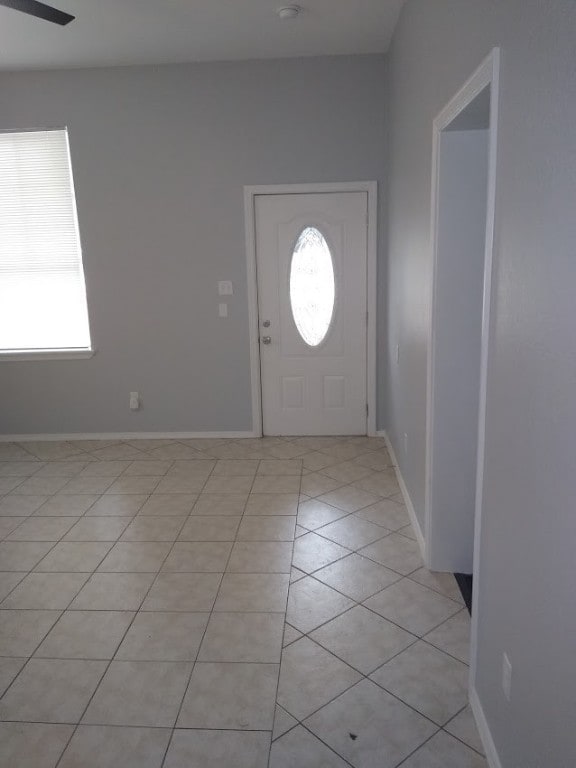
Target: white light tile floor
[[231, 603]]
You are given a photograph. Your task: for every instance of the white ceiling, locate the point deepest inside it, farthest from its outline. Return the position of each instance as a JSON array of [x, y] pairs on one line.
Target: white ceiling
[[124, 32]]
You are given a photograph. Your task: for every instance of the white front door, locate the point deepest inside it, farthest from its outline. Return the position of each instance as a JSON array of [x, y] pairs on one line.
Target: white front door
[[311, 252]]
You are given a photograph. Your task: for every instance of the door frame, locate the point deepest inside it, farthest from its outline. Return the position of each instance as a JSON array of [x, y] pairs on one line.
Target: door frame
[[250, 194], [487, 74]]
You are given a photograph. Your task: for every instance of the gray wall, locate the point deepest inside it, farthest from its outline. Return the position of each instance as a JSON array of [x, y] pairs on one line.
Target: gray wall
[[528, 578], [160, 157]]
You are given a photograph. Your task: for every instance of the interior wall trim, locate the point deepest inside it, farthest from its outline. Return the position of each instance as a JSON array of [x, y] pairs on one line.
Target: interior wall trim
[[407, 500], [123, 436], [483, 729]]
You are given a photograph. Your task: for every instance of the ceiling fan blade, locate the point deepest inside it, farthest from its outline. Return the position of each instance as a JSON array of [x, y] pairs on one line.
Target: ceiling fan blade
[[41, 10]]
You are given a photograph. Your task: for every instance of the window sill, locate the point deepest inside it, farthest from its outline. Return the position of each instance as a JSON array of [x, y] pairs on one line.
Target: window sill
[[15, 355]]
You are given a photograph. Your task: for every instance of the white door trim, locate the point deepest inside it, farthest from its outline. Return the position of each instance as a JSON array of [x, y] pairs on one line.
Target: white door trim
[[486, 75], [250, 193]]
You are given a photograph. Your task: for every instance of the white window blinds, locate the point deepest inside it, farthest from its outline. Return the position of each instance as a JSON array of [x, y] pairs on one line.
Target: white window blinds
[[42, 292]]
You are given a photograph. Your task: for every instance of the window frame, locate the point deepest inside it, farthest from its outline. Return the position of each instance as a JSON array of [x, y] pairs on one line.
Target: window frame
[[56, 353]]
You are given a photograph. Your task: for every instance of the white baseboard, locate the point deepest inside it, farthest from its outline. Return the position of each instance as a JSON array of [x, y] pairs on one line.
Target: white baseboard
[[407, 500], [124, 436], [479, 716], [484, 731]]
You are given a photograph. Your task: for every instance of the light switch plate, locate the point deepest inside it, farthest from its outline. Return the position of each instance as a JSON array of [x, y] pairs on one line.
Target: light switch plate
[[222, 310], [225, 288]]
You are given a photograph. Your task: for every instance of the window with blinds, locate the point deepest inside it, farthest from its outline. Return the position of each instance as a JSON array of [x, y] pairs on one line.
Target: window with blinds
[[42, 292]]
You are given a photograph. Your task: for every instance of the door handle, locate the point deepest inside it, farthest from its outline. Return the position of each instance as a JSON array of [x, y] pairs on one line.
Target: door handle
[[266, 339]]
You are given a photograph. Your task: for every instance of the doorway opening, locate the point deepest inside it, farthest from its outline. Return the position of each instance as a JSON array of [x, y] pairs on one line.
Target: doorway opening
[[463, 205]]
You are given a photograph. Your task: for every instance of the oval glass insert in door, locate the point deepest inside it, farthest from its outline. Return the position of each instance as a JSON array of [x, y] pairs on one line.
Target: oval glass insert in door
[[312, 286]]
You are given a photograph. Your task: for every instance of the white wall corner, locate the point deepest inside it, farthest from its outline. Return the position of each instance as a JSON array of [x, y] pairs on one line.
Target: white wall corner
[[406, 495], [484, 731]]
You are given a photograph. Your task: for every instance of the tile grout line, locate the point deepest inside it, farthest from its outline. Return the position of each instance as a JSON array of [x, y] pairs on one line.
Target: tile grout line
[[42, 558], [134, 727], [366, 676], [399, 626], [369, 679], [285, 622], [404, 760], [368, 608], [321, 740], [35, 516], [357, 682], [243, 516], [211, 612], [444, 728], [109, 664]]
